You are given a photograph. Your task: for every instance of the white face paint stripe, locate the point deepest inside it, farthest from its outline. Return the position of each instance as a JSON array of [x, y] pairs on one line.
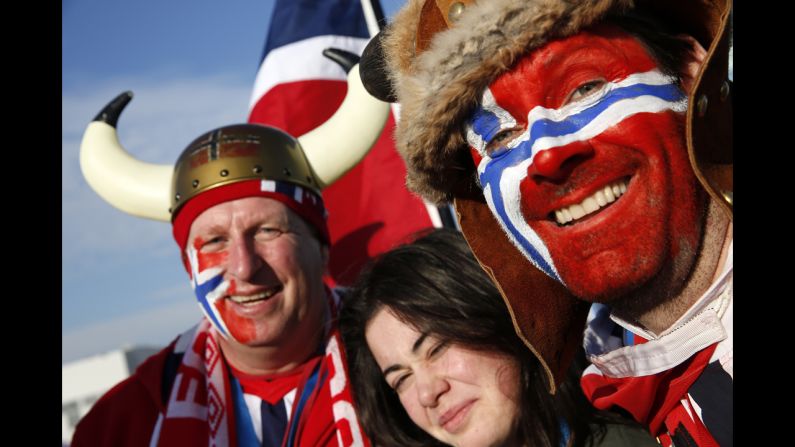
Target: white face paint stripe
[[504, 118], [475, 141], [484, 162], [653, 77], [613, 115], [578, 121], [218, 292], [205, 275], [489, 104], [207, 303], [524, 229], [509, 183]]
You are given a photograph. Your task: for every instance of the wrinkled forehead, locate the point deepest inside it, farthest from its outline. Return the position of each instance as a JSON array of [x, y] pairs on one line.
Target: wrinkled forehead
[[245, 212], [547, 75]]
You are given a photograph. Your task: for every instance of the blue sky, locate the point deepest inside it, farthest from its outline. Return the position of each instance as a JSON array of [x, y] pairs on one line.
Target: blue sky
[[191, 66]]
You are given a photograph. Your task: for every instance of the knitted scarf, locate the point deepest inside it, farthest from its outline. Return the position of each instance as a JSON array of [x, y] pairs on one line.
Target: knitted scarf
[[200, 409]]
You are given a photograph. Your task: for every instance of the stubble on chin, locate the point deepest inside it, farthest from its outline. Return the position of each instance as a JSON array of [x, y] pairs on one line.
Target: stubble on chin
[[657, 304]]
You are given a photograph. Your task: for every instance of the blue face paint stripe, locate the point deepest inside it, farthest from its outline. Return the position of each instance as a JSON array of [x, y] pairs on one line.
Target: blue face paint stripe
[[573, 123], [499, 208], [201, 291], [486, 124]]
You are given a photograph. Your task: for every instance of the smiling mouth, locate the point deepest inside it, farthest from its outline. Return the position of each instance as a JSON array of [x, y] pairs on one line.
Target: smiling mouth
[[453, 419], [602, 198], [257, 297]]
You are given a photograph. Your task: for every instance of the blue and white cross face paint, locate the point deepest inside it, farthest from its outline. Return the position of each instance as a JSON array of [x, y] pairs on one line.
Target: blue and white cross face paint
[[256, 268], [580, 155], [209, 285]]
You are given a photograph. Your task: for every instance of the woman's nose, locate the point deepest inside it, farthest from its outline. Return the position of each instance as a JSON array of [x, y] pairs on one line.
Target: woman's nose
[[430, 388]]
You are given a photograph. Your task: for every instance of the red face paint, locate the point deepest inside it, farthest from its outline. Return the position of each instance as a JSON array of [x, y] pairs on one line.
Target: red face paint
[[656, 222]]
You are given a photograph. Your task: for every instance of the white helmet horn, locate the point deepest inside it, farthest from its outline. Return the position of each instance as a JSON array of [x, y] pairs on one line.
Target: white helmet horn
[[135, 187], [337, 145], [144, 189]]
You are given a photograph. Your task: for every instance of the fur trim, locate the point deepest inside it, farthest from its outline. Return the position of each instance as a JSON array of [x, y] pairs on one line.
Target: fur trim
[[439, 88]]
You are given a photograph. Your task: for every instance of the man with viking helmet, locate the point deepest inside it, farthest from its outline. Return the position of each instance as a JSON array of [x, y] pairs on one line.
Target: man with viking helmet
[[586, 146], [265, 367]]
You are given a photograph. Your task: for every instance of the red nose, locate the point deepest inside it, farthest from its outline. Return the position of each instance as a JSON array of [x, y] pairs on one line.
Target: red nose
[[552, 163]]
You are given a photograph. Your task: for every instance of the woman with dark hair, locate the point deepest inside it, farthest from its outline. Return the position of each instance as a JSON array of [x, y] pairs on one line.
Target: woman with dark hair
[[434, 360]]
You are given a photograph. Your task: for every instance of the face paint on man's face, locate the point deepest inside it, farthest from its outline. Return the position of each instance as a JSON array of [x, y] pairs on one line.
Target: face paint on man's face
[[207, 280], [561, 137], [257, 268]]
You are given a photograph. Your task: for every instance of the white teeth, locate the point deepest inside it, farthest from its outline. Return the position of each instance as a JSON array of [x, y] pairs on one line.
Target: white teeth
[[609, 194], [591, 204], [577, 211], [600, 198], [240, 299]]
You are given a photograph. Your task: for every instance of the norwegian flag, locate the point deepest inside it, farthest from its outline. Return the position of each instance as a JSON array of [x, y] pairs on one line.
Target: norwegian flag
[[297, 89]]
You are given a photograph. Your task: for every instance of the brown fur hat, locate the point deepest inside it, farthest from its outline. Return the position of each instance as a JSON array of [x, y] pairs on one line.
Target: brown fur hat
[[438, 70], [439, 87]]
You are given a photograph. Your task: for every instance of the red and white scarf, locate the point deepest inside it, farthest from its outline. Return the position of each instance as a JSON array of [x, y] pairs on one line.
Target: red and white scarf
[[651, 376], [200, 408]]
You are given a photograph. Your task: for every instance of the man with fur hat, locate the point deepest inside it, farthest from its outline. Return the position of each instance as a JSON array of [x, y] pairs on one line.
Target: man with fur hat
[[586, 147], [265, 367]]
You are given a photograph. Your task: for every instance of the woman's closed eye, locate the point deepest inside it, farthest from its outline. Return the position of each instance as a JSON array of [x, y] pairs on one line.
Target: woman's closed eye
[[399, 381], [437, 349]]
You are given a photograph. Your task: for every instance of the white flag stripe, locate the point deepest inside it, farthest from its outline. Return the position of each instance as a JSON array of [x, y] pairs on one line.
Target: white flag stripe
[[303, 61]]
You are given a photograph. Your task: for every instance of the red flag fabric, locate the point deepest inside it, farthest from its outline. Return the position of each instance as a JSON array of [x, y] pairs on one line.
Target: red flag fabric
[[297, 89]]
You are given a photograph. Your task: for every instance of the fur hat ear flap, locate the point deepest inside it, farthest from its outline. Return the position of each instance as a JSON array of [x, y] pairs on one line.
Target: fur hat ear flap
[[373, 71]]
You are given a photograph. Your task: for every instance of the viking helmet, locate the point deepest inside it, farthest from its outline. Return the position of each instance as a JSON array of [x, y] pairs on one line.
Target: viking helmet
[[231, 155]]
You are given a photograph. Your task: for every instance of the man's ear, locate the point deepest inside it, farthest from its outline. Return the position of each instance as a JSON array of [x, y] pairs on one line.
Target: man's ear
[[693, 59]]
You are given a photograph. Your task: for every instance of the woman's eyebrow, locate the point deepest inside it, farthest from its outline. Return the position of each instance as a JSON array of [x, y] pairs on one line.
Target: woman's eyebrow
[[418, 343], [414, 349], [391, 368]]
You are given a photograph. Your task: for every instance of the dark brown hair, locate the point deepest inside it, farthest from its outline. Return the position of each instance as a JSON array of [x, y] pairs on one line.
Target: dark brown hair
[[436, 286]]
